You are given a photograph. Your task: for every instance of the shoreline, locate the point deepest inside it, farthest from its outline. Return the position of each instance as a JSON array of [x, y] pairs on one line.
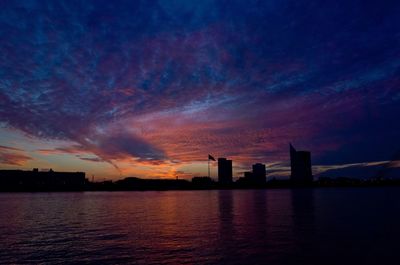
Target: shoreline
[[196, 189]]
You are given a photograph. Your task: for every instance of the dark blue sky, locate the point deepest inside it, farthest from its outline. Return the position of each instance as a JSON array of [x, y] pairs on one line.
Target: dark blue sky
[[149, 88]]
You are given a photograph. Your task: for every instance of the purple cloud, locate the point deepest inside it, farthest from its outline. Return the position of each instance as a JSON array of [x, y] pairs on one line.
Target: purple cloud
[[237, 80]]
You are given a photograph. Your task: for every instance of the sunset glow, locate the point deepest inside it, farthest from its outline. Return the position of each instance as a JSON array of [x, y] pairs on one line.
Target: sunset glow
[[149, 89]]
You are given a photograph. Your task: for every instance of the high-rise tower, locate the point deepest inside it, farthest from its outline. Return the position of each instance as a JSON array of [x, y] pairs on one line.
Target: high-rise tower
[[224, 171], [300, 165]]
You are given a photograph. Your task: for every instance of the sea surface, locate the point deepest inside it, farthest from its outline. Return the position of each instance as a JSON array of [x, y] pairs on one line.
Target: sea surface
[[280, 226]]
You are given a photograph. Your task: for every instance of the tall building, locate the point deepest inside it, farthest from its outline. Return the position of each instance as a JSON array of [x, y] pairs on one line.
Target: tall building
[[224, 171], [259, 173], [300, 165]]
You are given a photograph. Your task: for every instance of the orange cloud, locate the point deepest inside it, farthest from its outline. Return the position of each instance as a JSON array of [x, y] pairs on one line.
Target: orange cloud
[[13, 156]]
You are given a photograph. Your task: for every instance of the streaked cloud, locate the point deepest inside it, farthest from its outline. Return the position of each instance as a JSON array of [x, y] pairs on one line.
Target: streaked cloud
[[152, 87], [13, 156]]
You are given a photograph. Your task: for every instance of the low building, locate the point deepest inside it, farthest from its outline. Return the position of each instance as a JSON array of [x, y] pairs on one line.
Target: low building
[[35, 180]]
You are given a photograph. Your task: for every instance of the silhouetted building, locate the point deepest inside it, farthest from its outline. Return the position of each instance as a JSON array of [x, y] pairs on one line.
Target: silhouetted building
[[300, 165], [133, 183], [35, 180], [202, 180], [248, 175], [202, 183], [259, 173], [256, 178], [224, 171], [246, 180]]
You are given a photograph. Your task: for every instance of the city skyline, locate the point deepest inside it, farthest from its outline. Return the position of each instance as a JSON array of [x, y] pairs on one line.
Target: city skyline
[[148, 89]]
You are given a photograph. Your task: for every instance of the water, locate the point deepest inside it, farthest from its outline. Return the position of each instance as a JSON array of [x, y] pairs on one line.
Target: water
[[301, 226]]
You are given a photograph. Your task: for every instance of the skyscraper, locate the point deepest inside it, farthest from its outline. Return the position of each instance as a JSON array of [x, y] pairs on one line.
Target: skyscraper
[[224, 171], [300, 165], [259, 173]]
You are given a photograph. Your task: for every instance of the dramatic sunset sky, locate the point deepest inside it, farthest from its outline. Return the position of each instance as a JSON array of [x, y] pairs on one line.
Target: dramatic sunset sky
[[150, 88]]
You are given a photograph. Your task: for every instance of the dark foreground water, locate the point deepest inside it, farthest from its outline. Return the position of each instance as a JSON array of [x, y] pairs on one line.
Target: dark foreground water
[[302, 226]]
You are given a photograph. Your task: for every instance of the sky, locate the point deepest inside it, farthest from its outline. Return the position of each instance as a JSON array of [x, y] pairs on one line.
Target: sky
[[150, 88]]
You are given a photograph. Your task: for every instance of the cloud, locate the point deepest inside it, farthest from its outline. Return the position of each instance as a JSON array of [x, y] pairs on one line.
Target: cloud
[[387, 169], [154, 82], [7, 148], [13, 156], [114, 145], [92, 159], [359, 170], [73, 149], [122, 145]]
